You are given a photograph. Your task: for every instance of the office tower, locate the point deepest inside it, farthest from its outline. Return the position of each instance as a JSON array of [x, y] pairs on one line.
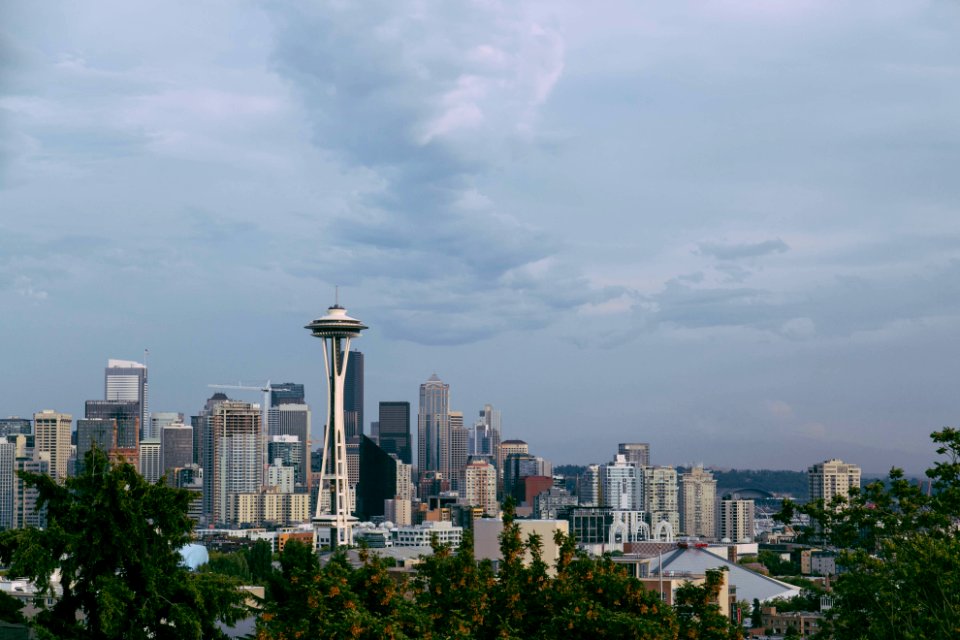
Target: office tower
[[698, 496], [375, 431], [485, 437], [15, 426], [589, 487], [161, 419], [459, 443], [236, 456], [176, 447], [126, 417], [286, 393], [52, 432], [518, 466], [336, 329], [832, 478], [289, 451], [190, 478], [8, 457], [294, 419], [94, 432], [636, 453], [394, 431], [507, 448], [353, 396], [151, 459], [378, 479], [619, 485], [660, 496], [735, 519], [433, 427], [480, 486], [127, 381]]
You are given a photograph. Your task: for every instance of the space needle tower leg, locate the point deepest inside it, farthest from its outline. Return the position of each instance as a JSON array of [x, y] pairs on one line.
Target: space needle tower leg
[[336, 329]]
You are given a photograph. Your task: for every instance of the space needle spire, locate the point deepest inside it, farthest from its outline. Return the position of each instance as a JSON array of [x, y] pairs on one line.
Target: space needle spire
[[336, 329]]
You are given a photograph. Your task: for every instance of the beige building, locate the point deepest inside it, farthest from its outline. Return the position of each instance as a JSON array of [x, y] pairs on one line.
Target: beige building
[[735, 519], [52, 437], [660, 496], [486, 539], [832, 478], [259, 508], [480, 486], [698, 497]]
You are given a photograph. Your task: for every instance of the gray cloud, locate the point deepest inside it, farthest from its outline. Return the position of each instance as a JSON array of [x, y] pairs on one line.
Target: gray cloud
[[738, 251]]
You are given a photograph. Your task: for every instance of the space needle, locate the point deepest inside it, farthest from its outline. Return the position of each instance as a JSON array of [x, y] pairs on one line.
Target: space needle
[[336, 329]]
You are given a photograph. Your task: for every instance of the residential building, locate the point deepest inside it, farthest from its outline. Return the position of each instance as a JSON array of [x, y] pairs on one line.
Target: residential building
[[480, 486], [735, 519], [660, 497], [832, 478], [422, 535], [280, 476], [619, 485], [588, 487], [237, 459], [697, 501]]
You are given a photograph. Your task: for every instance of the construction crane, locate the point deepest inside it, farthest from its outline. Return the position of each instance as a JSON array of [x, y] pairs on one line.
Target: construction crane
[[265, 409]]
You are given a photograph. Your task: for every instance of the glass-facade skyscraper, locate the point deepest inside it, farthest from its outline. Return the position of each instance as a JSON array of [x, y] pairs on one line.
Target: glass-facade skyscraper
[[433, 427], [394, 432]]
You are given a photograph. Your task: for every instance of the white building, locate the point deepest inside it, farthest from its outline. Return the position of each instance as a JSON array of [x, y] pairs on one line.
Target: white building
[[619, 488], [151, 459], [480, 478], [421, 535]]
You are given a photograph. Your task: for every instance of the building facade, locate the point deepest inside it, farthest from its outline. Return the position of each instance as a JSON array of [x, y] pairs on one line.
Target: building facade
[[698, 497], [126, 381], [52, 438], [394, 430], [433, 427]]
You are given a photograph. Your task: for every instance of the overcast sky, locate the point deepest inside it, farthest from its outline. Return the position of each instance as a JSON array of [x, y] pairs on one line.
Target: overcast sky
[[729, 229]]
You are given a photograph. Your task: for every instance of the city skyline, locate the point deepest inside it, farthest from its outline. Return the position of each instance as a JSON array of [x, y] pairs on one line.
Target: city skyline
[[728, 230]]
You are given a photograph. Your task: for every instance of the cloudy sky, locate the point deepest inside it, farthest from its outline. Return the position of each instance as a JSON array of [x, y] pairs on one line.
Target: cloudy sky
[[731, 229]]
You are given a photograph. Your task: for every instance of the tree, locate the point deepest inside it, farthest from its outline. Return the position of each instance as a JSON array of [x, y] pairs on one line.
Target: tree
[[698, 610], [115, 539], [899, 550], [756, 614]]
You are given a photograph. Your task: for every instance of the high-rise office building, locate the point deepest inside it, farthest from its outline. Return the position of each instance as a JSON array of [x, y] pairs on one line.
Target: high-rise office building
[[353, 396], [735, 519], [52, 432], [293, 419], [636, 453], [126, 380], [480, 486], [459, 444], [507, 448], [161, 419], [698, 496], [660, 496], [26, 512], [286, 393], [15, 426], [394, 430], [126, 417], [433, 427], [237, 459], [8, 457], [176, 448], [832, 478], [203, 449], [151, 459], [94, 432], [485, 436], [289, 450], [378, 479]]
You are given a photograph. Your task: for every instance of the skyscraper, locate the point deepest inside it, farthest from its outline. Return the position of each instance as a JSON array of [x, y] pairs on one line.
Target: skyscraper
[[203, 449], [52, 431], [433, 427], [698, 496], [292, 419], [480, 486], [459, 445], [660, 496], [15, 426], [126, 418], [151, 459], [353, 425], [236, 456], [378, 479], [127, 380], [176, 448], [286, 393], [395, 430], [94, 432], [485, 437], [161, 419], [619, 485], [336, 329], [8, 456]]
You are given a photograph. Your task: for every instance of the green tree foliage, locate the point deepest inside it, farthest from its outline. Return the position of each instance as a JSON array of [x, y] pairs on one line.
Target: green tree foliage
[[756, 614], [334, 601], [900, 551], [115, 539], [259, 559], [698, 610]]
